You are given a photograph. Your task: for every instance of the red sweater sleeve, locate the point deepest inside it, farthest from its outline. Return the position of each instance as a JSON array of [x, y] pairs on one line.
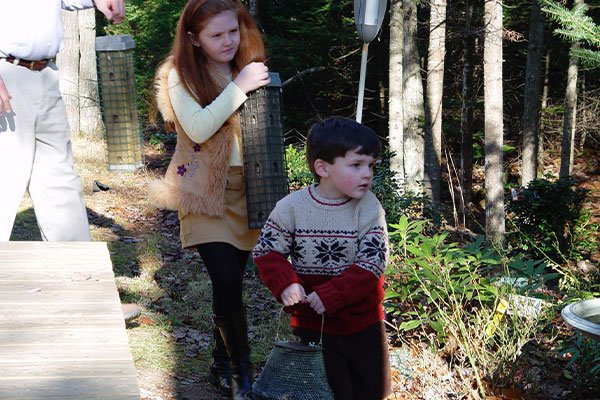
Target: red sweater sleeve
[[276, 272], [350, 287]]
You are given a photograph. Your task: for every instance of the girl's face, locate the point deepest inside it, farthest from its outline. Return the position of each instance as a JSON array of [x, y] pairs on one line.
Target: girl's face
[[350, 176], [220, 39]]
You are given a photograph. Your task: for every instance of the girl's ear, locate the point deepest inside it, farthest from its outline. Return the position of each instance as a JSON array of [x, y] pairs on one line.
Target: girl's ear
[[193, 39], [321, 168]]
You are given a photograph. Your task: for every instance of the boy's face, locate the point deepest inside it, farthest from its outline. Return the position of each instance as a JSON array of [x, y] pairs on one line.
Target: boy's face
[[351, 175]]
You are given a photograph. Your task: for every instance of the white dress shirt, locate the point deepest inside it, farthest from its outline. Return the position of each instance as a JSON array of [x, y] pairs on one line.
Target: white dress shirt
[[32, 29]]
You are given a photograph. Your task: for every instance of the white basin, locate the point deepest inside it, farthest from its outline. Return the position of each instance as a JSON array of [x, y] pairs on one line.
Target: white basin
[[584, 316]]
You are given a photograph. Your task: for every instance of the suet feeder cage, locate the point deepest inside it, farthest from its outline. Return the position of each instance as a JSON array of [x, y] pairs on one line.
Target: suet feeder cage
[[293, 371], [118, 101], [263, 146]]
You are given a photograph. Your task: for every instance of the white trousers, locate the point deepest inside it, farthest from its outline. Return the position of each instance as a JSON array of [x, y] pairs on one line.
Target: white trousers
[[36, 155]]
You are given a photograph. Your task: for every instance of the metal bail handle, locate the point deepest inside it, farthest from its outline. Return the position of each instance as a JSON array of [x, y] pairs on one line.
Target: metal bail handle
[[313, 344]]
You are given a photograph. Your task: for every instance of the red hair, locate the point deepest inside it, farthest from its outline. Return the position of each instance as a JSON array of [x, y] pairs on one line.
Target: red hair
[[190, 61]]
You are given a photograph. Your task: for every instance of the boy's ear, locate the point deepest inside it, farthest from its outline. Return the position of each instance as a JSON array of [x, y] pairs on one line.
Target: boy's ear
[[321, 168]]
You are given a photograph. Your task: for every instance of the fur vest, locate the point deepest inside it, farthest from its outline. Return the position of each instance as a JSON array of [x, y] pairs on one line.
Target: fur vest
[[196, 177]]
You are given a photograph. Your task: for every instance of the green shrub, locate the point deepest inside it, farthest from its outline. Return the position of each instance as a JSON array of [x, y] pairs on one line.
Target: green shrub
[[583, 366], [550, 222], [297, 169], [388, 190], [426, 270], [583, 237], [444, 292], [159, 140]]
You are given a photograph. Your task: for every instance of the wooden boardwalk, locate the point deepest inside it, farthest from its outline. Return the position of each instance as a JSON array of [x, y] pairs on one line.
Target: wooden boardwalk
[[62, 332]]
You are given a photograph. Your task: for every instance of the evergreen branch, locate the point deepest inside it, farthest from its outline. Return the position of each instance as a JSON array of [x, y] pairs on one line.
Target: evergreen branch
[[589, 58], [576, 26]]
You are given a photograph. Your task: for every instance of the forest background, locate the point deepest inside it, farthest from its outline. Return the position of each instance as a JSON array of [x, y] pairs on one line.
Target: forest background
[[423, 77], [515, 110]]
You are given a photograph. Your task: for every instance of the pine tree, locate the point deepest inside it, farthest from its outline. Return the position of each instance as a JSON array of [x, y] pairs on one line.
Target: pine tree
[[576, 26]]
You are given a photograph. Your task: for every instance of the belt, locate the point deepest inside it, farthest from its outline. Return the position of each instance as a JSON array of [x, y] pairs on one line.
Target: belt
[[32, 65]]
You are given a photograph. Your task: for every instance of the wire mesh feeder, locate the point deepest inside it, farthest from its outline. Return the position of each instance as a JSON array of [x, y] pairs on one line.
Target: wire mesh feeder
[[294, 371], [264, 160], [118, 102]]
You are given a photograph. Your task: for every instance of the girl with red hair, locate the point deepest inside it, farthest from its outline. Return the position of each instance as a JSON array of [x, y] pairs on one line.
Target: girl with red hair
[[217, 59]]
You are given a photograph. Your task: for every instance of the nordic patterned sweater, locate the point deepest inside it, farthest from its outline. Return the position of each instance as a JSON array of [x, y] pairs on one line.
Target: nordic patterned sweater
[[337, 248]]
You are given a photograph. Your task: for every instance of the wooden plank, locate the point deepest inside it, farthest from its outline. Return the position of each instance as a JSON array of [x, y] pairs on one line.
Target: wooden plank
[[27, 287], [51, 369], [54, 292], [72, 353], [59, 336], [43, 248], [66, 387], [62, 333], [54, 297], [50, 274], [48, 322]]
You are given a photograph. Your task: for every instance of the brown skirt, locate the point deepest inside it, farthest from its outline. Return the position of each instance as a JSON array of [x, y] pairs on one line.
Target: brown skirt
[[230, 228]]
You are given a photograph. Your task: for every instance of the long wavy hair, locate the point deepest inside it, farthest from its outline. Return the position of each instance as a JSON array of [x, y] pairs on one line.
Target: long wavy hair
[[189, 60]]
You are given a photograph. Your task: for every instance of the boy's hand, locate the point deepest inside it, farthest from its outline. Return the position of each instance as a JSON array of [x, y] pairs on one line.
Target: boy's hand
[[293, 294], [315, 303]]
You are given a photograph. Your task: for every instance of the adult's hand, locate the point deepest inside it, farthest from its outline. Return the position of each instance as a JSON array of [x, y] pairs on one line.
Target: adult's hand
[[4, 98], [113, 10]]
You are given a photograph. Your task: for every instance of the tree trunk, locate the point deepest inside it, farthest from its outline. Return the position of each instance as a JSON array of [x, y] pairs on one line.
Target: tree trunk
[[546, 79], [89, 99], [466, 121], [492, 70], [584, 113], [531, 112], [435, 90], [383, 72], [396, 117], [414, 110], [253, 8], [544, 104], [68, 64], [568, 136]]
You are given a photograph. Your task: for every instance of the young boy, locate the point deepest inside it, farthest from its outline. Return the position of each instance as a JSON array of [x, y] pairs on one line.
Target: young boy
[[323, 251]]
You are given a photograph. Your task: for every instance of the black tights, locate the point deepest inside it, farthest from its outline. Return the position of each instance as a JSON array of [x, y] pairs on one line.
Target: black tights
[[225, 264]]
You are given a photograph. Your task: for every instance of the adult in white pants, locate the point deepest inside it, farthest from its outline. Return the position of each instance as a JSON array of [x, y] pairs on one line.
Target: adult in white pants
[[35, 147]]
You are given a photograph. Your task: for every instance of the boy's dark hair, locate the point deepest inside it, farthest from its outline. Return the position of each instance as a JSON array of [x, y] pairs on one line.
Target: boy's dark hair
[[335, 136]]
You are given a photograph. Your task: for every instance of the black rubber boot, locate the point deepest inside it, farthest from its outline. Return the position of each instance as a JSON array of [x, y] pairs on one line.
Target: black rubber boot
[[219, 373], [234, 330]]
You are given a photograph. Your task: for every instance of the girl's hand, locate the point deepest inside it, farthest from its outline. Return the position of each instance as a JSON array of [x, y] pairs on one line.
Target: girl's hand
[[293, 294], [252, 76], [315, 303]]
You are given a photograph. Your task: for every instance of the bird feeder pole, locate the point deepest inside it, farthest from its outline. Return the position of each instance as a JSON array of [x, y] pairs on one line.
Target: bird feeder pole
[[368, 16]]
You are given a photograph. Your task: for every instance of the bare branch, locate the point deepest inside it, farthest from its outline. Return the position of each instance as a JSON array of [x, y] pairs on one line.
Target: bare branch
[[302, 73]]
